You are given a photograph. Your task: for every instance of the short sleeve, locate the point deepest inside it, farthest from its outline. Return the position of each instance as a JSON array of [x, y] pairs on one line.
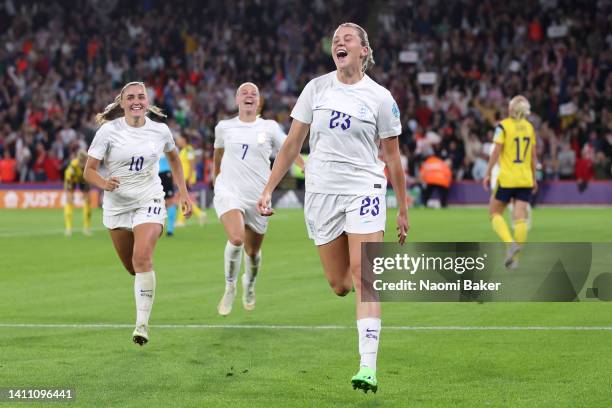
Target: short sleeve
[[499, 136], [168, 141], [100, 144], [302, 110], [278, 137], [388, 122], [219, 142]]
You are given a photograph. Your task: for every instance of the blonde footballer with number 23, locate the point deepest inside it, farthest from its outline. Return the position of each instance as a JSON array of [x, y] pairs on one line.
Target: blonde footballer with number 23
[[349, 118]]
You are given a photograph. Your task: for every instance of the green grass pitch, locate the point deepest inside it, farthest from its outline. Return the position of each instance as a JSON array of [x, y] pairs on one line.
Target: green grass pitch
[[46, 278]]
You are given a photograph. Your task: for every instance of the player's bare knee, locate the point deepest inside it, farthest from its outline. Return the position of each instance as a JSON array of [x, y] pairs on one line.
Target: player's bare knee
[[236, 240], [142, 262]]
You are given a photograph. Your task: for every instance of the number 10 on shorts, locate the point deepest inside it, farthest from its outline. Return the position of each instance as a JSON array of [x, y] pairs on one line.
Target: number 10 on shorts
[[154, 210], [370, 206]]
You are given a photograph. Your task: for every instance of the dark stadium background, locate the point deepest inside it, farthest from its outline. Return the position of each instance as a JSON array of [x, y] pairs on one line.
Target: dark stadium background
[[61, 62]]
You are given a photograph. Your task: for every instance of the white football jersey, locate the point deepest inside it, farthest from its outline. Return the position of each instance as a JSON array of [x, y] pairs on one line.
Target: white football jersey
[[245, 166], [131, 154], [346, 125]]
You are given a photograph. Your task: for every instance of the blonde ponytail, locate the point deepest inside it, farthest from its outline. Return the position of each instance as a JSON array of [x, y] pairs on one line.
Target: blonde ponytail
[[112, 111], [159, 114]]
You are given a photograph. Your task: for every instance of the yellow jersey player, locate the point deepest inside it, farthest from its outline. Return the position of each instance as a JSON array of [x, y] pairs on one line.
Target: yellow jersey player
[[515, 142], [187, 156], [73, 176]]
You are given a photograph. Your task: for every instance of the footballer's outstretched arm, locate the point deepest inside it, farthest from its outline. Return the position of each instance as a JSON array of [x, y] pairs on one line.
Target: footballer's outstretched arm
[[391, 155]]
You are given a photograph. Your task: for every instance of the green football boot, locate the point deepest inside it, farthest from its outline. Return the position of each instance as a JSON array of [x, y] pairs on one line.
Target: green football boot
[[365, 380]]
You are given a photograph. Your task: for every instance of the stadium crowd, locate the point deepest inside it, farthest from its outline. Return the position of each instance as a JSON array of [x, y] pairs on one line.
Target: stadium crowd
[[451, 67]]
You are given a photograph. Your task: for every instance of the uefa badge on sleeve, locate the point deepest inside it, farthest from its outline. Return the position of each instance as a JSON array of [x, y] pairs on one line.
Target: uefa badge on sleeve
[[395, 110]]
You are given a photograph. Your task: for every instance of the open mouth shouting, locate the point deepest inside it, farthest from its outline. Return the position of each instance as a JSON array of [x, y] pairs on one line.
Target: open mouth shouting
[[341, 54]]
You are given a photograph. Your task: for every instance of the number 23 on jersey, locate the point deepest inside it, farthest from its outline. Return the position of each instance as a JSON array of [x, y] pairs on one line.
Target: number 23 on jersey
[[339, 119]]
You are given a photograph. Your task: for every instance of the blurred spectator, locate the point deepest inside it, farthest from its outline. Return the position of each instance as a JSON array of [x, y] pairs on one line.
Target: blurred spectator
[[53, 167], [67, 134], [584, 168], [39, 163], [601, 167], [566, 162], [435, 173], [23, 156], [8, 168]]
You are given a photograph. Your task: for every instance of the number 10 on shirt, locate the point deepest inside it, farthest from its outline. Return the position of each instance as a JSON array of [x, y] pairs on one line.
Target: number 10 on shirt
[[136, 163]]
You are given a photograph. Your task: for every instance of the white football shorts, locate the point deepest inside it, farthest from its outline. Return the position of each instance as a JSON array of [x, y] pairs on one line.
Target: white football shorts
[[329, 215], [153, 211], [255, 221]]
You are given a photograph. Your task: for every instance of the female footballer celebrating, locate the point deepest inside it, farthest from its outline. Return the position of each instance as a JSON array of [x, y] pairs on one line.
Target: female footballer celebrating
[[133, 208], [349, 116], [243, 146]]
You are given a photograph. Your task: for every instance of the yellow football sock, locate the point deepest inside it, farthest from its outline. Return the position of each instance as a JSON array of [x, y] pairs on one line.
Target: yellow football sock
[[68, 216], [196, 211], [86, 216], [180, 218], [501, 228], [520, 231]]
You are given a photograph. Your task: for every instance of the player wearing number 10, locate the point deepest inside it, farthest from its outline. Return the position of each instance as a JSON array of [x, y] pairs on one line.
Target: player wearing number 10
[[515, 149], [243, 146], [131, 144], [349, 117]]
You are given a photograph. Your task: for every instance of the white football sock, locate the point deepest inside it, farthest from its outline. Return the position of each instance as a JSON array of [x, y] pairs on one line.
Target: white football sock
[[233, 259], [369, 333], [144, 292], [251, 267]]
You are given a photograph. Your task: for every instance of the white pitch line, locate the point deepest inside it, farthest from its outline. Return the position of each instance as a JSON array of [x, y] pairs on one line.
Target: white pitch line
[[300, 327]]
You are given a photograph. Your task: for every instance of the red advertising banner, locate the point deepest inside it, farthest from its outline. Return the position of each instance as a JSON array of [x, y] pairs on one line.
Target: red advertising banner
[[42, 198]]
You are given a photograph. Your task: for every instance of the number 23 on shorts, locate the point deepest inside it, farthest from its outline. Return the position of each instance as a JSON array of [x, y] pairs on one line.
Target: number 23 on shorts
[[370, 206]]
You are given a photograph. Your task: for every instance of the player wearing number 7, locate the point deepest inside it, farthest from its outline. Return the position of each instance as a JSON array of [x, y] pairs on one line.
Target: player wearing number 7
[[350, 118], [130, 144], [515, 142], [243, 146]]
